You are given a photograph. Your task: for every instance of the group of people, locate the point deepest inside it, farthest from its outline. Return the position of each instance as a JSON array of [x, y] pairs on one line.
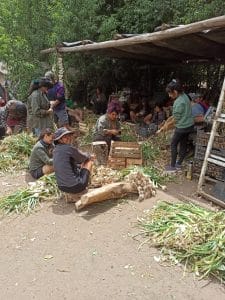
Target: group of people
[[46, 110], [188, 115], [46, 105], [54, 152]]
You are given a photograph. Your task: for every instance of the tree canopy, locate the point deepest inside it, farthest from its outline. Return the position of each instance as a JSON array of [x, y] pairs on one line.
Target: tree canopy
[[27, 27]]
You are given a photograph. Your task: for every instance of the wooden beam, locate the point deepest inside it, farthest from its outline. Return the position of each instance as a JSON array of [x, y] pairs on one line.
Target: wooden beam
[[155, 53], [210, 24]]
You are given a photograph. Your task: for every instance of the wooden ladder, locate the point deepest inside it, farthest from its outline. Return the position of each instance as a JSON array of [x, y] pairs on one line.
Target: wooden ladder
[[215, 159]]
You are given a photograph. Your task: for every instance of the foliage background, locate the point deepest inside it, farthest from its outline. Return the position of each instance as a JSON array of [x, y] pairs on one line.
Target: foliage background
[[28, 26]]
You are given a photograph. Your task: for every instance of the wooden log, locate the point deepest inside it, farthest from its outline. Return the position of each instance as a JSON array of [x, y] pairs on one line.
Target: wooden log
[[110, 191]]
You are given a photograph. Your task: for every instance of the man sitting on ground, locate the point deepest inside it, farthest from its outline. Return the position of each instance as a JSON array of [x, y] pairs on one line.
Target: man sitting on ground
[[41, 162], [72, 167]]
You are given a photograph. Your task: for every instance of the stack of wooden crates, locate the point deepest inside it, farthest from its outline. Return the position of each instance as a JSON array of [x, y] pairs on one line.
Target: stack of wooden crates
[[218, 148], [124, 154]]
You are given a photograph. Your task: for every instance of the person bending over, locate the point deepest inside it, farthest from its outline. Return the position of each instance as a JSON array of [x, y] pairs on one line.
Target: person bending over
[[41, 162], [72, 167]]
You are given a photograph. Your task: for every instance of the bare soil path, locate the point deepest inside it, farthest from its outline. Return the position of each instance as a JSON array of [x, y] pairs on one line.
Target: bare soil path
[[57, 253]]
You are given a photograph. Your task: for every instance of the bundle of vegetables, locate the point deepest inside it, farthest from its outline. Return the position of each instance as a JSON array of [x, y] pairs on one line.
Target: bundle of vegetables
[[128, 133], [26, 199], [189, 234], [103, 175], [15, 150], [154, 173], [154, 150]]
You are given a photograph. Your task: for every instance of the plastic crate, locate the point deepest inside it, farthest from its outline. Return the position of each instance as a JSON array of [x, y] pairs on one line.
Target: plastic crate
[[212, 170], [203, 139]]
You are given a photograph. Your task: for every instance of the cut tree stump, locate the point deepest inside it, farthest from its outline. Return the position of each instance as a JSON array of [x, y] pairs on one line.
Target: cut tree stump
[[110, 191], [100, 149]]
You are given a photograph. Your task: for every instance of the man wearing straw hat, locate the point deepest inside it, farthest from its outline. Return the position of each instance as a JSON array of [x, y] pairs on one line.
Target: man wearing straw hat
[[72, 167]]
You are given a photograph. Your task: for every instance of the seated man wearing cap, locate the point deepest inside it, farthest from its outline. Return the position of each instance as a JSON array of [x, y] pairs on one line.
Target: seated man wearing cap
[[72, 167], [41, 161]]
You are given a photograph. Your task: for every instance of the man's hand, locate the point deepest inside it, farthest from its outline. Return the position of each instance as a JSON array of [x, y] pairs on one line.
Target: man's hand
[[50, 111], [8, 131], [158, 131]]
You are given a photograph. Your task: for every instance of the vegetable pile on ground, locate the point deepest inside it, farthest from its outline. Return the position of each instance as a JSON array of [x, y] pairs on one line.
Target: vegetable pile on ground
[[26, 199], [102, 175], [189, 234], [15, 151]]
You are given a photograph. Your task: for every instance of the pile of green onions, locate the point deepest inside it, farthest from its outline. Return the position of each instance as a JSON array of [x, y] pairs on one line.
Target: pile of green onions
[[189, 234], [27, 199], [15, 151]]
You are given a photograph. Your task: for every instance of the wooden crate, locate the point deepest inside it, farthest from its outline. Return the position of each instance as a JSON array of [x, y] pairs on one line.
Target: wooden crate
[[116, 163], [125, 149], [124, 154], [134, 162]]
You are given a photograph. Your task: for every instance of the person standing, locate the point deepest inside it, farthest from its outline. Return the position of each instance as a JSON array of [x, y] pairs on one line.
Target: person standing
[[72, 167], [4, 96], [184, 124], [56, 96], [99, 101], [41, 161], [33, 87], [40, 107]]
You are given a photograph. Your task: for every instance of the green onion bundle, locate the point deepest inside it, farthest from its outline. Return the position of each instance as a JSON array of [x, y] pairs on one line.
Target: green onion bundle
[[27, 199], [15, 151], [189, 234]]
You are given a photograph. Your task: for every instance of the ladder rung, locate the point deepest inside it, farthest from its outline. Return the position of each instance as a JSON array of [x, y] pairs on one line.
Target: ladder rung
[[221, 120], [217, 157], [216, 162]]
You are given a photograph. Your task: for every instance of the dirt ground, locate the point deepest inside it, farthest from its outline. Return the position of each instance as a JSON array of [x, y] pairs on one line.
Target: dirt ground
[[57, 253]]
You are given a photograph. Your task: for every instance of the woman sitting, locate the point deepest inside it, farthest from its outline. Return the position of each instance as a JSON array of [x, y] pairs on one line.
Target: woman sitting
[[107, 127], [140, 111], [157, 119], [41, 162]]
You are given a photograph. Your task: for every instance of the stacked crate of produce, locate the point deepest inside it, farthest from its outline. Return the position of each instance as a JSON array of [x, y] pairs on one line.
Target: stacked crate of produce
[[124, 154], [213, 170]]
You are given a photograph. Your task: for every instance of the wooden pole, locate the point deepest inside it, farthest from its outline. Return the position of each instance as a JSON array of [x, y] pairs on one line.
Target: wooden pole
[[211, 138]]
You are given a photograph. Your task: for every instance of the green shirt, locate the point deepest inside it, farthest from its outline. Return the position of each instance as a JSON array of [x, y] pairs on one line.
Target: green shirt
[[182, 112], [40, 156]]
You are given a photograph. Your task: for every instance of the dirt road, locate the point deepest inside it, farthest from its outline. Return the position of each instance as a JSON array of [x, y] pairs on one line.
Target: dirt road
[[57, 253]]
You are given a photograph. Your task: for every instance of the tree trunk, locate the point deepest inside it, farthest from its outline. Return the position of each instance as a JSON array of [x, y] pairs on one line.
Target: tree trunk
[[110, 191]]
